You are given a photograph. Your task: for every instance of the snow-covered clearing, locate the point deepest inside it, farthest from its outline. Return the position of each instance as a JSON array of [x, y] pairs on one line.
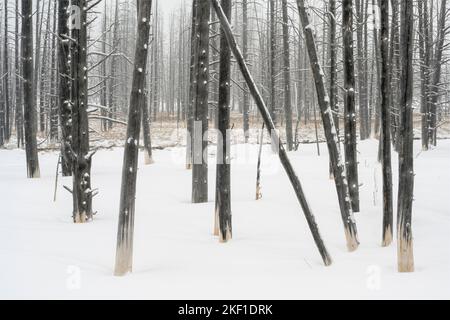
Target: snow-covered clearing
[[44, 255]]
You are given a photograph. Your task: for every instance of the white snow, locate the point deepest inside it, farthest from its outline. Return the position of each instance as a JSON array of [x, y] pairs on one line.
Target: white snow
[[272, 255]]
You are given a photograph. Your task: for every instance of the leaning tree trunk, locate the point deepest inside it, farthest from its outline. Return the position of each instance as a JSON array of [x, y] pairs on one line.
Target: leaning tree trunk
[[350, 108], [223, 184], [270, 125], [406, 159], [200, 128], [287, 78], [81, 160], [330, 133], [30, 121], [65, 116], [124, 250], [388, 220]]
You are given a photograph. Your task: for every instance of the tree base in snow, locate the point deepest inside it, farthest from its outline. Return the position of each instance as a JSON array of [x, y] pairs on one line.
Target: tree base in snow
[[148, 159], [387, 237], [352, 241], [405, 256]]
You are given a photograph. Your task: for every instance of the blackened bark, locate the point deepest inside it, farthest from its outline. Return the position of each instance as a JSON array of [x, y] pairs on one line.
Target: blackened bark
[[287, 78], [388, 219], [200, 142], [124, 250], [270, 125], [223, 182], [30, 123], [19, 91], [246, 102], [350, 141], [65, 116], [406, 158], [191, 102], [340, 178], [7, 128], [273, 60], [81, 160]]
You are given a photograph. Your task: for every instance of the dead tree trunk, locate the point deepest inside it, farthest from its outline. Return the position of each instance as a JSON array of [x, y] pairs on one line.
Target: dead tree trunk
[[223, 182], [30, 115], [406, 158], [388, 219], [287, 78], [275, 137], [330, 133], [350, 108], [81, 159], [19, 91], [272, 62], [65, 116], [191, 102], [124, 250], [7, 129], [200, 128], [246, 102]]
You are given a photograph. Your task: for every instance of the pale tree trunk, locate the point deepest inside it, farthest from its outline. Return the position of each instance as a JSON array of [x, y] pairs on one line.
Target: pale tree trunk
[[350, 141], [275, 137], [223, 181], [65, 116], [388, 220], [200, 141], [124, 250], [406, 157]]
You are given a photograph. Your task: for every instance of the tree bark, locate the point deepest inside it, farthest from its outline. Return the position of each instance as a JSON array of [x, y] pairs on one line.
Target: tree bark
[[330, 133], [30, 123], [65, 116], [287, 78], [124, 250], [81, 159], [350, 141], [388, 220], [406, 158], [200, 128], [270, 125], [223, 181]]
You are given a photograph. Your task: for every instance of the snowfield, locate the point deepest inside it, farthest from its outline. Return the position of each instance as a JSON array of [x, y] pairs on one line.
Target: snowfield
[[272, 255]]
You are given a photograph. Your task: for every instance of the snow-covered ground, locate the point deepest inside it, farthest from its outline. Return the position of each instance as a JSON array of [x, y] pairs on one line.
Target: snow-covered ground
[[44, 255]]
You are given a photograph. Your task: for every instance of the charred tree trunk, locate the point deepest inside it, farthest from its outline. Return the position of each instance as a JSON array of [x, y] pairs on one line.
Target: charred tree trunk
[[246, 102], [65, 115], [191, 102], [18, 88], [330, 133], [350, 108], [7, 128], [287, 78], [272, 62], [81, 159], [200, 128], [30, 122], [270, 125], [388, 220], [406, 159], [223, 182], [53, 80], [124, 250]]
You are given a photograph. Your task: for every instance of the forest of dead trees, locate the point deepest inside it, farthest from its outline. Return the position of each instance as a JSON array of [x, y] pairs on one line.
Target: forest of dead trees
[[74, 72]]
